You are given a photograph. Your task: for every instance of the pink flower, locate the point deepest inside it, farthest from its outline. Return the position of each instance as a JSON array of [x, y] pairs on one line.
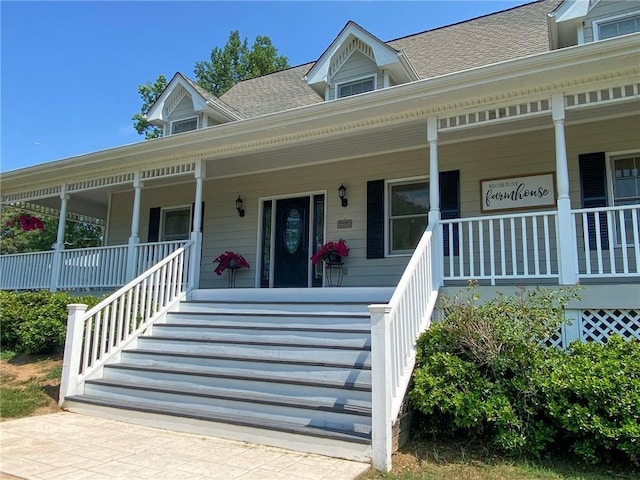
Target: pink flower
[[229, 260], [29, 222], [322, 255]]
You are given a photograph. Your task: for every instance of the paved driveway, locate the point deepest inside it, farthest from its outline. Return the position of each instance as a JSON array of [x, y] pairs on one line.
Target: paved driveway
[[70, 446]]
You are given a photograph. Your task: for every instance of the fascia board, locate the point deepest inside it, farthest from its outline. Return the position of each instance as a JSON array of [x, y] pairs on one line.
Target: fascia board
[[439, 91]]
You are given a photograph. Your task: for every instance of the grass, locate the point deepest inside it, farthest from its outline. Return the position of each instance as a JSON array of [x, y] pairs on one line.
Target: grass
[[28, 385], [429, 460]]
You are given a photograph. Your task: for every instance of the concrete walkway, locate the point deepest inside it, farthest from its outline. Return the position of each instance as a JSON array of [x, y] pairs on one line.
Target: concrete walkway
[[70, 446]]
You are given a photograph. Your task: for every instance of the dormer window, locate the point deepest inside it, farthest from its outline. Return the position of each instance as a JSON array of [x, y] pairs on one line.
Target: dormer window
[[185, 125], [353, 88], [618, 26]]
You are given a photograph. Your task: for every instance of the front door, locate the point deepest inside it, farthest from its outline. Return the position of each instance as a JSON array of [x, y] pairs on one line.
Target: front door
[[291, 262]]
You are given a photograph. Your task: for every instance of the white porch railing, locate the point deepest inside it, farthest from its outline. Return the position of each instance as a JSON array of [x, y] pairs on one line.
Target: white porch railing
[[608, 241], [82, 268], [394, 330], [515, 246], [98, 267], [98, 336], [26, 271]]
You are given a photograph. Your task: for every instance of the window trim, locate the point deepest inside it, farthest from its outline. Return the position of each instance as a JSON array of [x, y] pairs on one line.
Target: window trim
[[374, 76], [611, 199], [197, 117], [595, 24], [388, 183], [609, 156], [163, 211]]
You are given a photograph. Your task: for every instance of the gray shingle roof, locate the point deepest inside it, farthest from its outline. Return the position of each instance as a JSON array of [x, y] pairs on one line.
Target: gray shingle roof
[[506, 35]]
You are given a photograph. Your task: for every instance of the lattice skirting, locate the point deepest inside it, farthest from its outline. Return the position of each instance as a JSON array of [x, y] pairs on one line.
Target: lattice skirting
[[599, 325]]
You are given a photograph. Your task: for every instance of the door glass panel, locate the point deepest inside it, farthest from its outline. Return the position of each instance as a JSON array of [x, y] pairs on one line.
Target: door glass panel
[[266, 244], [318, 236], [293, 231]]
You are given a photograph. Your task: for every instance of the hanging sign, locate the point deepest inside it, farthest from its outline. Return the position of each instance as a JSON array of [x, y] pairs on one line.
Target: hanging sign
[[517, 193]]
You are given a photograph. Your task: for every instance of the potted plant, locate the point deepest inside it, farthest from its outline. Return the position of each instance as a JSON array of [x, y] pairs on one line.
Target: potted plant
[[230, 260], [331, 253]]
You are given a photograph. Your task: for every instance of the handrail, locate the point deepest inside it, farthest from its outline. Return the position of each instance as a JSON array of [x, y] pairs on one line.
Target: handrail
[[395, 328], [99, 335]]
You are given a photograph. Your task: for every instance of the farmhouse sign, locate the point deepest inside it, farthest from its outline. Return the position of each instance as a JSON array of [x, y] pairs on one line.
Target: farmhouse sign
[[515, 193]]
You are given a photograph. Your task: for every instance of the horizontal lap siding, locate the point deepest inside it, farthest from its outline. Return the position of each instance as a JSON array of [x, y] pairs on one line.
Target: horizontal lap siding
[[604, 10], [183, 110], [122, 205], [512, 155], [240, 234]]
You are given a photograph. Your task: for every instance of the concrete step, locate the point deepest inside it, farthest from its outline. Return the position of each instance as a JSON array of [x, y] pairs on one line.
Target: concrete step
[[179, 377], [294, 437], [307, 336], [253, 406], [258, 365], [257, 348]]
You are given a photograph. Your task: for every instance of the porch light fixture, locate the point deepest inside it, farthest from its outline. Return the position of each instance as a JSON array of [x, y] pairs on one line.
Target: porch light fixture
[[342, 191], [239, 206]]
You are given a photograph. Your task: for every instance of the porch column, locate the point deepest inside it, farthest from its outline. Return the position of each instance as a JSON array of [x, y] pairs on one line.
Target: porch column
[[134, 239], [437, 258], [567, 253], [56, 268], [196, 234]]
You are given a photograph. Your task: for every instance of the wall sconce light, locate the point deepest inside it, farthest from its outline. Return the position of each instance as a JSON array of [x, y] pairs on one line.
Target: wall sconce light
[[239, 206], [342, 191]]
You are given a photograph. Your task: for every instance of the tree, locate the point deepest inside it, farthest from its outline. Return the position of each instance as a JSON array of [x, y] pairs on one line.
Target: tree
[[149, 92], [228, 65], [15, 238], [236, 62]]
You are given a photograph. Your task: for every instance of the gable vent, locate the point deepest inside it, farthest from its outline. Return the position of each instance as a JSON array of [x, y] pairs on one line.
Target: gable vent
[[346, 51], [174, 99]]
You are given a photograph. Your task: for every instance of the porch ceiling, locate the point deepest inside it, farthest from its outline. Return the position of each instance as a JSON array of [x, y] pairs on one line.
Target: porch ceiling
[[92, 203]]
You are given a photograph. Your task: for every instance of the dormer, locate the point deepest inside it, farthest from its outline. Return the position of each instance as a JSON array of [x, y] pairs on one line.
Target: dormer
[[358, 62], [576, 22], [184, 106]]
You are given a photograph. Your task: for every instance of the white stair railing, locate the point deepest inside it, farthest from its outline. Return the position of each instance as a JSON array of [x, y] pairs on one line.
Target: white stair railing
[[98, 336], [394, 329]]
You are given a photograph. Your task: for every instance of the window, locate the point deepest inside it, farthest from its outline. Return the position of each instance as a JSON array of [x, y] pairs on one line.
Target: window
[[185, 125], [408, 206], [618, 26], [353, 88], [176, 224], [625, 176]]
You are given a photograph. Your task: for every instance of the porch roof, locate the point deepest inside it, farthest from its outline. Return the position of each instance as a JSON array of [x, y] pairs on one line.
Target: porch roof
[[383, 120]]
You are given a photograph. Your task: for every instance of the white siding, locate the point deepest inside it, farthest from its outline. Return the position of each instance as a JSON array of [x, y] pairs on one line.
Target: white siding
[[183, 110], [606, 9], [510, 155], [356, 67]]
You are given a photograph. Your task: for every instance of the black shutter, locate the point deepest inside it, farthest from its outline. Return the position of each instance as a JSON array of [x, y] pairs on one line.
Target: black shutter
[[154, 224], [450, 206], [593, 187], [375, 219]]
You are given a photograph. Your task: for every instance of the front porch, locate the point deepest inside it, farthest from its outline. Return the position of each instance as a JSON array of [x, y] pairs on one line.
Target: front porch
[[508, 249]]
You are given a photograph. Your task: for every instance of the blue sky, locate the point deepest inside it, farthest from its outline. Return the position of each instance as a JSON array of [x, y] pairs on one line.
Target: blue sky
[[70, 70]]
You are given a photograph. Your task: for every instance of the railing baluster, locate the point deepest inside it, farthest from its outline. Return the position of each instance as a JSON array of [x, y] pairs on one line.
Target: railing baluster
[[503, 250], [598, 242], [611, 242], [514, 257], [481, 246], [635, 214], [623, 238], [471, 257], [492, 253], [536, 253], [525, 246]]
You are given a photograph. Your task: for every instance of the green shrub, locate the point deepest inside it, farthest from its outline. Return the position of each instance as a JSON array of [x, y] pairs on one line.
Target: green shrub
[[479, 372], [594, 396], [35, 322], [486, 371]]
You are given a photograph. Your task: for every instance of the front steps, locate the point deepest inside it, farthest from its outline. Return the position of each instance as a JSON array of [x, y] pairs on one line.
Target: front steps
[[283, 367]]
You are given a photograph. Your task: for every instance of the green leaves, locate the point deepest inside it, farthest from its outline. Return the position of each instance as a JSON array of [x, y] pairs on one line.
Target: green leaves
[[149, 92], [236, 62], [485, 371]]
